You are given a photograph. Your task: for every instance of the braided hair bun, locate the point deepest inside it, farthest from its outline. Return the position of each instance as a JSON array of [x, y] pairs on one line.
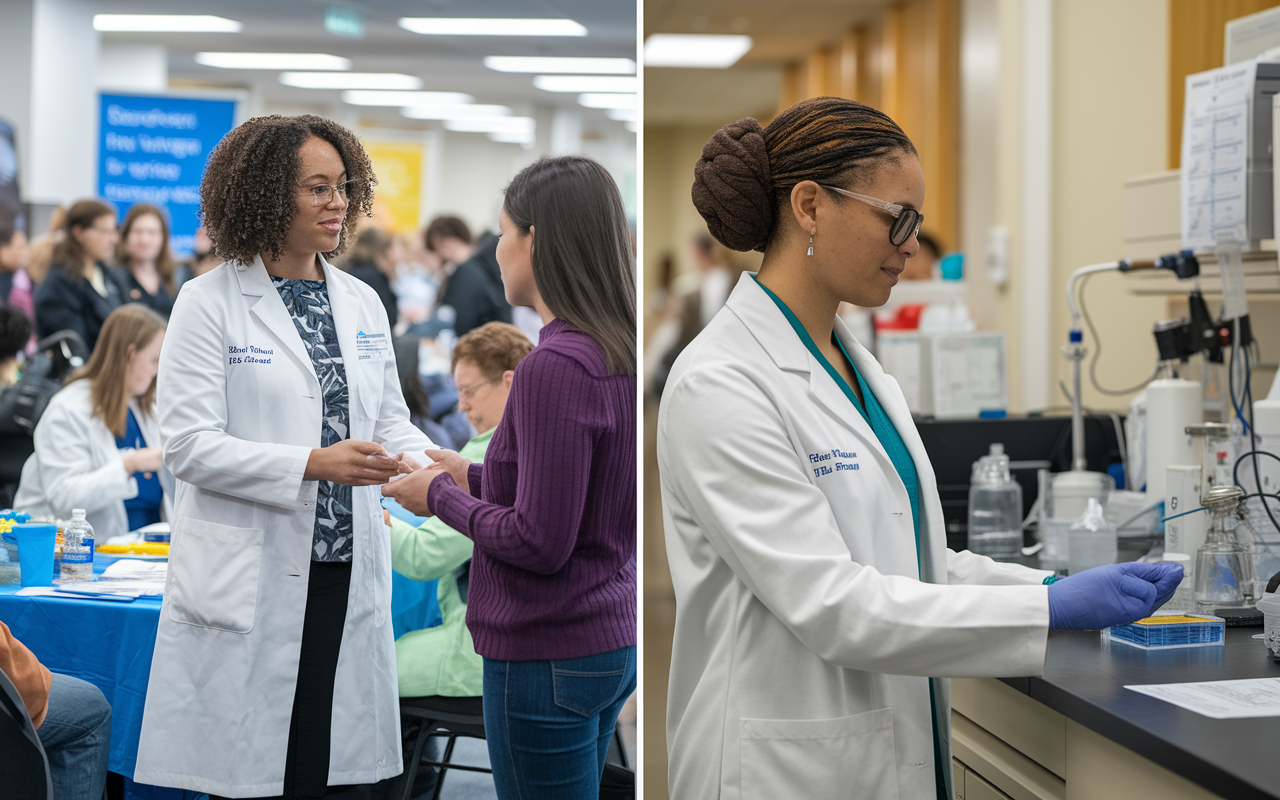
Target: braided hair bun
[[746, 172], [732, 189]]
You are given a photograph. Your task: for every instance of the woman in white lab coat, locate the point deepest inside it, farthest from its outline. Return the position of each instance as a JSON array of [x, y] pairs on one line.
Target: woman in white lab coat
[[280, 408], [818, 609], [97, 446]]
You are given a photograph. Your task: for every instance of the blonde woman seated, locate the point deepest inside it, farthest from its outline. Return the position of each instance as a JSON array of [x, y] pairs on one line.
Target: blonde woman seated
[[97, 443]]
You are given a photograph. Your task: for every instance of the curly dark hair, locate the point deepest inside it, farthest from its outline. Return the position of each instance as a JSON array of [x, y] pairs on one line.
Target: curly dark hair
[[248, 197]]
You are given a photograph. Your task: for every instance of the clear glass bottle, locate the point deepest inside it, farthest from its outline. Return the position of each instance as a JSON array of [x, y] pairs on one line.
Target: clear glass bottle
[[1091, 539], [1222, 563], [77, 550], [995, 508]]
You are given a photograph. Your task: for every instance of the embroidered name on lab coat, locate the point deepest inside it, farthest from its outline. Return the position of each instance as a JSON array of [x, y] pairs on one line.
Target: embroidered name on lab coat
[[249, 354], [829, 462]]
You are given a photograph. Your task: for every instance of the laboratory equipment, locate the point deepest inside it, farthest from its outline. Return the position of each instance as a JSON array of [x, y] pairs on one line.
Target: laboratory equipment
[[1173, 404], [1166, 631], [995, 508], [1222, 567], [1092, 540], [1056, 552], [1269, 605], [1184, 598], [1183, 532], [1072, 491], [1217, 451]]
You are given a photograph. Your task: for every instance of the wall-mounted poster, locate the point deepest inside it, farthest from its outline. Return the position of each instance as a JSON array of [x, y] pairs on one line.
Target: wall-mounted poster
[[11, 213], [153, 150], [398, 194]]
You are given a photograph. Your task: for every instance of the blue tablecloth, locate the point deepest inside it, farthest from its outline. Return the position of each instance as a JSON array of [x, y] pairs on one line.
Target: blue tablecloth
[[110, 645]]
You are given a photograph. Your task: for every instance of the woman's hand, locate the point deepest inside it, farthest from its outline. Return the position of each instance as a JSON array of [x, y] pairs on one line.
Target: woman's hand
[[145, 460], [411, 490], [407, 463], [351, 463], [453, 464]]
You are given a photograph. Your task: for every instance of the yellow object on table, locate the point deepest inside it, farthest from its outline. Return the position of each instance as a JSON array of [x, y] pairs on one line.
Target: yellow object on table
[[136, 549]]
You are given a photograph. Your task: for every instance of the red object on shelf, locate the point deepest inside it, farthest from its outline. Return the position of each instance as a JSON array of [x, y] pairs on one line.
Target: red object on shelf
[[907, 318]]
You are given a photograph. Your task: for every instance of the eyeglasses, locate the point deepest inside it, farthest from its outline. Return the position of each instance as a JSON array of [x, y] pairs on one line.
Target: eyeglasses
[[906, 221], [468, 392], [322, 194]]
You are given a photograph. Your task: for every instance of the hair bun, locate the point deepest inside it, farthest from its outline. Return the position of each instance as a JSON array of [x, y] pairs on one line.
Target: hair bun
[[732, 189]]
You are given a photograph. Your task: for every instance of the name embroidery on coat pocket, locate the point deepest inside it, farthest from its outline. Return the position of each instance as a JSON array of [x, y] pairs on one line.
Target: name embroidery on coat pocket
[[829, 462]]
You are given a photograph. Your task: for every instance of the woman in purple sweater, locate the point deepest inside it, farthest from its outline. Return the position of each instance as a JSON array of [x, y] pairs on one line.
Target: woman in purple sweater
[[552, 511]]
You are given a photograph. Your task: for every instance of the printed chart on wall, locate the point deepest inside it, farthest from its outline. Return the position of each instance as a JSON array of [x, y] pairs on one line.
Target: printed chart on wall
[[153, 150], [398, 195]]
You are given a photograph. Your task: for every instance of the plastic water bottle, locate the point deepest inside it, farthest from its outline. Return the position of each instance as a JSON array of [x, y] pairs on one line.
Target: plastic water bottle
[[77, 551], [995, 508], [1092, 540]]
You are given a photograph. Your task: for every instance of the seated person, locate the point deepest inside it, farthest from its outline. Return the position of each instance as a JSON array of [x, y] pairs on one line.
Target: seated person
[[15, 331], [442, 661], [97, 445], [71, 717]]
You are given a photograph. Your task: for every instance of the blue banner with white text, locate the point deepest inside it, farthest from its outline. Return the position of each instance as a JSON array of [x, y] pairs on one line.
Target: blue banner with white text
[[153, 150]]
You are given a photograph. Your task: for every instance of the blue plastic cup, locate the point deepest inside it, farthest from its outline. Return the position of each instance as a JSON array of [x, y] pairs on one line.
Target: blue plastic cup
[[35, 552]]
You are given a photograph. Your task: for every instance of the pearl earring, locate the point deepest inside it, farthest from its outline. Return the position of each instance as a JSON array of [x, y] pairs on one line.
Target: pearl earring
[[810, 244]]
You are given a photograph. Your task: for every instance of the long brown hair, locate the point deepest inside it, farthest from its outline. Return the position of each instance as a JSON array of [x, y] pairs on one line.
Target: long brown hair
[[68, 253], [164, 261], [128, 330], [581, 258]]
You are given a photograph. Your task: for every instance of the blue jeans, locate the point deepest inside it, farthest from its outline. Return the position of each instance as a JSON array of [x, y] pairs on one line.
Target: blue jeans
[[76, 734], [548, 723]]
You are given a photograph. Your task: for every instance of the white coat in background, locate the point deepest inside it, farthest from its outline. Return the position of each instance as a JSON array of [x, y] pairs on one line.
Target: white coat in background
[[240, 412], [804, 633], [76, 465]]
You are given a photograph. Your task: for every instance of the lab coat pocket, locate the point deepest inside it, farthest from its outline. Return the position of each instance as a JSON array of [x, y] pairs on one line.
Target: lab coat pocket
[[844, 757], [213, 575]]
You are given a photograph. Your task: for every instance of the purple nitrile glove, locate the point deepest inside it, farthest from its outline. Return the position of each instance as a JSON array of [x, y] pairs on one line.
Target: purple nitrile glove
[[1114, 594]]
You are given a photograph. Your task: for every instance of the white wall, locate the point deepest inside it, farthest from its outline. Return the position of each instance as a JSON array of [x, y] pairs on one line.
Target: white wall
[[62, 145]]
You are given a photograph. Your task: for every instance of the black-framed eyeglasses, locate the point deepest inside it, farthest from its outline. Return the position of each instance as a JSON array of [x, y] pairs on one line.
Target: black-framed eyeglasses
[[322, 194], [906, 221]]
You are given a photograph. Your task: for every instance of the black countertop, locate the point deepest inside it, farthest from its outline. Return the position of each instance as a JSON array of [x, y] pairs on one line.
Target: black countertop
[[1084, 681]]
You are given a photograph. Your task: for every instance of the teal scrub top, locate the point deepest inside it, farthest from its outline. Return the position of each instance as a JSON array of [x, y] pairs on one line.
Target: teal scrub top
[[896, 449]]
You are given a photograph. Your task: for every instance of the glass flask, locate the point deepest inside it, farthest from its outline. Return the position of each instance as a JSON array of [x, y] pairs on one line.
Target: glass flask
[[1222, 574]]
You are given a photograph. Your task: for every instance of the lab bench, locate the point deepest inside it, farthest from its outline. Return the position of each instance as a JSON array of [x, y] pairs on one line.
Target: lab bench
[[1077, 734]]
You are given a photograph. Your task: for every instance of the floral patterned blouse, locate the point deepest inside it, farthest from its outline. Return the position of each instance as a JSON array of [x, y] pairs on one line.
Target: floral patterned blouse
[[308, 304]]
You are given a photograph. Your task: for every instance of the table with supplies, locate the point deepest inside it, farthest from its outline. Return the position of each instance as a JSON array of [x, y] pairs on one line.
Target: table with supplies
[[109, 643]]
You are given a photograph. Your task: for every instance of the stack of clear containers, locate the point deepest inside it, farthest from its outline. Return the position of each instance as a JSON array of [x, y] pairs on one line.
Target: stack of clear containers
[[995, 508]]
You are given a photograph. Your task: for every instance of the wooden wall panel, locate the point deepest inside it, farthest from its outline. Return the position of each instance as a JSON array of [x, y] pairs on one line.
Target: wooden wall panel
[[1196, 33], [907, 64]]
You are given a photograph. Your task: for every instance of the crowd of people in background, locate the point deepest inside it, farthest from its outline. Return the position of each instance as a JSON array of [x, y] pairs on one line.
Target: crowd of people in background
[[560, 478]]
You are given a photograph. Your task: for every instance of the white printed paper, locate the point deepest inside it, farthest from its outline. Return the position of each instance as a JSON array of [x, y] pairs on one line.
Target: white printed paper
[[1253, 697], [1215, 155]]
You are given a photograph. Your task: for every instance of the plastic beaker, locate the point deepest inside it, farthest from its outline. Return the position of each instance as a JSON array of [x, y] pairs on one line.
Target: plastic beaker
[[35, 552]]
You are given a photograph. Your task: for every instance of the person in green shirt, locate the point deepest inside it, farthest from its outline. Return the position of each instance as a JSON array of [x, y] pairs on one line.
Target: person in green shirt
[[442, 660]]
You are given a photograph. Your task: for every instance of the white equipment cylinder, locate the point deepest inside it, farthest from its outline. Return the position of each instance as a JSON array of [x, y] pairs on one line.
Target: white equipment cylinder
[[1072, 490], [1182, 493], [1172, 405]]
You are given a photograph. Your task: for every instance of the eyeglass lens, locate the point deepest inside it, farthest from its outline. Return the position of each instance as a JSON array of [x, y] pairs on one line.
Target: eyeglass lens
[[907, 223]]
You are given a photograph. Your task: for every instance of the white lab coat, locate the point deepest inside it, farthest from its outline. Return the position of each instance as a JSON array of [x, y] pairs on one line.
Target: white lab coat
[[803, 632], [237, 434], [76, 465]]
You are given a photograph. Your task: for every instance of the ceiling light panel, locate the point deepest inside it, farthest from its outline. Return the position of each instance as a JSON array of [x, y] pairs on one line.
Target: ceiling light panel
[[283, 61], [170, 23], [491, 125], [596, 100], [566, 66], [522, 137], [623, 114], [706, 51], [586, 83], [359, 97], [454, 111], [459, 26], [350, 80]]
